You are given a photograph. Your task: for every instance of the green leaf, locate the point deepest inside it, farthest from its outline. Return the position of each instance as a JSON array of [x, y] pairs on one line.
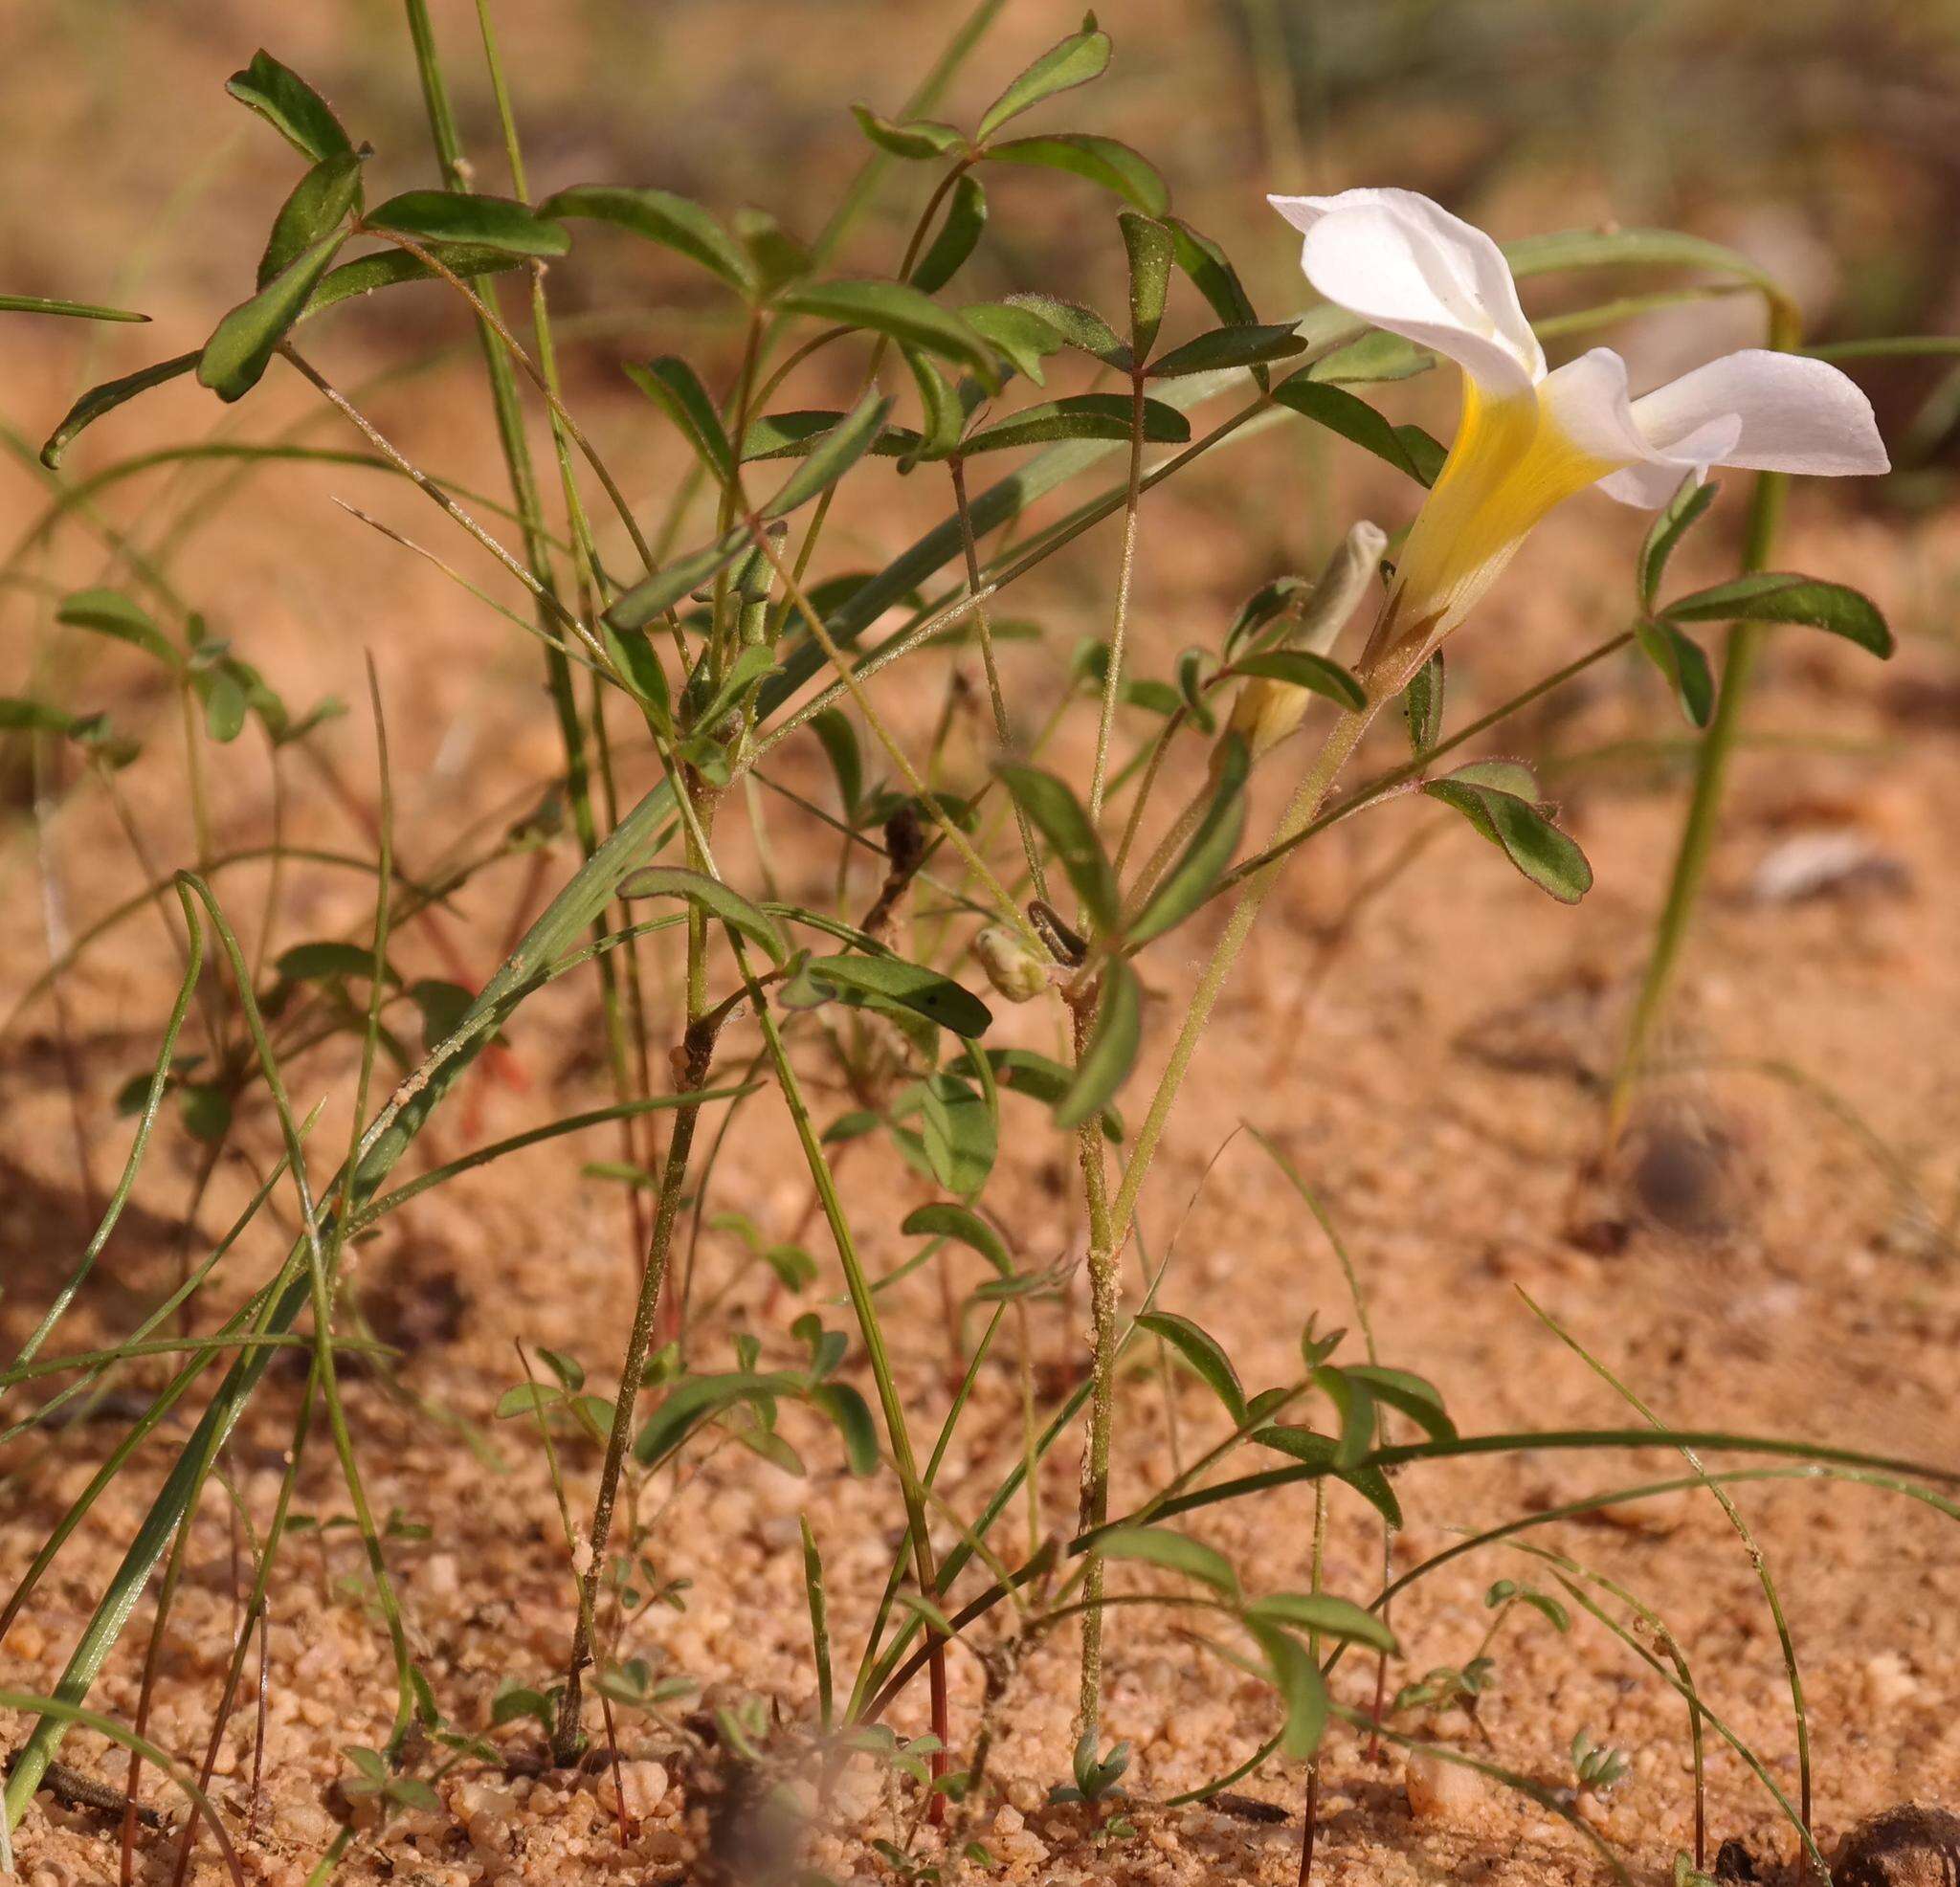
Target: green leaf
[[1021, 335], [1355, 1403], [1205, 1355], [1301, 1686], [1358, 422], [1105, 161], [911, 986], [1376, 357], [834, 455], [941, 413], [1079, 326], [652, 596], [1074, 61], [1194, 668], [1410, 1394], [776, 257], [675, 389], [87, 311], [106, 398], [840, 746], [1671, 523], [318, 206], [916, 139], [207, 1111], [1683, 665], [1184, 887], [1041, 1077], [1149, 246], [1048, 801], [962, 1224], [1212, 274], [956, 1134], [1302, 668], [1175, 1552], [745, 672], [714, 898], [1528, 839], [1422, 704], [110, 613], [1782, 596], [364, 273], [694, 1399], [17, 713], [636, 657], [241, 346], [847, 1408], [291, 106], [1508, 776], [569, 1370], [661, 216], [958, 235], [1079, 416], [498, 223], [224, 704], [1320, 1451], [1248, 346], [1324, 1613], [898, 310], [1110, 1049]]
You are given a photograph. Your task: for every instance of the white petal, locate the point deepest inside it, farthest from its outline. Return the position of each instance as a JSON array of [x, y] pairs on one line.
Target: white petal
[[1406, 265], [1586, 401], [1649, 483], [1793, 414]]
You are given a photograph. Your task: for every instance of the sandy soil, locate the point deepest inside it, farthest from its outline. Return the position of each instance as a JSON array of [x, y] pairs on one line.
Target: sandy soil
[[1765, 1255]]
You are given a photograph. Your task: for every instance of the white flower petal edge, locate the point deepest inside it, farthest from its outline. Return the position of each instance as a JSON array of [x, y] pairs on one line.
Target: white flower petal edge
[[1406, 264], [1528, 439], [1786, 414]]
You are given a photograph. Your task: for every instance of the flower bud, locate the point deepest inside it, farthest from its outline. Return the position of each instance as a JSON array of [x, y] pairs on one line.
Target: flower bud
[[1342, 585], [1267, 711], [1010, 966]]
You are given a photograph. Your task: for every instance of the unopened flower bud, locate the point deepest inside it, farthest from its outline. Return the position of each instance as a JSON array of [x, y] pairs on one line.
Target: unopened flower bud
[[1346, 578], [1010, 966], [1266, 711]]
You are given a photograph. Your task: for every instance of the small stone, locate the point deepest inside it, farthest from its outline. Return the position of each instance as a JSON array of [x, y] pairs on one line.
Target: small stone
[[1440, 1791], [1909, 1845], [643, 1783], [1887, 1681]]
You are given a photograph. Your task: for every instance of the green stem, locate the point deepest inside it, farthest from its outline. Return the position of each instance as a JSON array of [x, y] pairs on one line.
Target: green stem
[[1712, 775]]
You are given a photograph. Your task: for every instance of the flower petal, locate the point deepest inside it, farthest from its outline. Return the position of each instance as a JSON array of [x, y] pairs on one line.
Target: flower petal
[[1794, 415], [1406, 265], [1586, 404]]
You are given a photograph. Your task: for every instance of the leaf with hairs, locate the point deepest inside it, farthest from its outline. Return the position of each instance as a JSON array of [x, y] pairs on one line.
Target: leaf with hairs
[[1071, 62], [1175, 1552], [1111, 1049], [958, 235], [714, 898], [499, 223], [1105, 161], [942, 1220], [291, 106], [1205, 1354], [675, 389], [675, 222], [1079, 416], [241, 346]]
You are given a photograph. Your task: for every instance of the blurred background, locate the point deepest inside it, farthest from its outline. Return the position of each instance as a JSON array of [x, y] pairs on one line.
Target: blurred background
[[1816, 134]]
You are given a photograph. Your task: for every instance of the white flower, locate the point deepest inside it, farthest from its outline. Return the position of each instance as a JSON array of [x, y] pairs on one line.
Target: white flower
[[1529, 439]]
